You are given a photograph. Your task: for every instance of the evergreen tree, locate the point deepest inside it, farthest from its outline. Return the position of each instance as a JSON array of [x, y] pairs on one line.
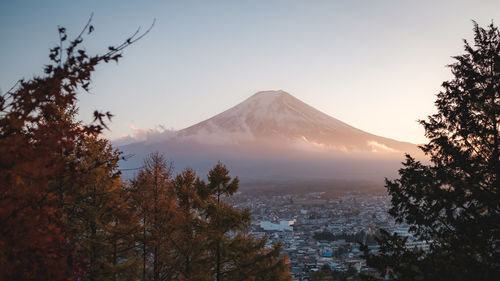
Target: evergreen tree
[[156, 203], [249, 259], [222, 217], [233, 254], [188, 230], [454, 203], [101, 214], [192, 235], [123, 237]]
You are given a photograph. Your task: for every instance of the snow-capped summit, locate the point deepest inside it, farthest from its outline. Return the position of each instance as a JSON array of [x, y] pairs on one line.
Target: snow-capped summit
[[280, 118]]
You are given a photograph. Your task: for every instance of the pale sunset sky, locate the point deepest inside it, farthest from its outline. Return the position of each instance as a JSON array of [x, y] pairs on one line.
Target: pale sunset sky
[[375, 65]]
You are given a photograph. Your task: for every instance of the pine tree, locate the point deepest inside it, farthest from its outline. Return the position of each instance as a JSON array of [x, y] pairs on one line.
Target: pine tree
[[190, 232], [192, 235], [222, 218], [123, 237], [454, 203], [233, 254], [249, 259], [101, 215], [156, 203]]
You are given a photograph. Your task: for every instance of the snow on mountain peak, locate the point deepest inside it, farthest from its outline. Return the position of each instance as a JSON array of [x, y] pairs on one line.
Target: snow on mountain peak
[[269, 95], [279, 119]]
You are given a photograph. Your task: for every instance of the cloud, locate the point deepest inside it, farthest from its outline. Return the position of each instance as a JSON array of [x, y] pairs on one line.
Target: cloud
[[152, 135], [380, 147]]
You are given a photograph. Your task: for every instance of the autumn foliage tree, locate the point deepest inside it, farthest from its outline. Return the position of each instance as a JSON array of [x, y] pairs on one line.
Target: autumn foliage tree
[[39, 174], [453, 204], [102, 213], [192, 235], [201, 235], [155, 200], [66, 213]]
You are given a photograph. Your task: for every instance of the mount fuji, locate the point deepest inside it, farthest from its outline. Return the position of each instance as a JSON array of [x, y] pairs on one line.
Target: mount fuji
[[274, 136]]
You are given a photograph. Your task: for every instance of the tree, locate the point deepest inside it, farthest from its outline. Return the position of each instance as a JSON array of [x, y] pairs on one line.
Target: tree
[[189, 232], [233, 254], [192, 235], [102, 215], [453, 203], [39, 137], [222, 217], [156, 203], [249, 259]]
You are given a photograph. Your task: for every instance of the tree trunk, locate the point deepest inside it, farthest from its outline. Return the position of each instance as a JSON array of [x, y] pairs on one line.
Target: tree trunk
[[144, 251], [218, 273], [114, 260], [218, 269]]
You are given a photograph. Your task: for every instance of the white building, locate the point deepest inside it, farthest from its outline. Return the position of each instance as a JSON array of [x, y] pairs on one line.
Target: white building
[[281, 226]]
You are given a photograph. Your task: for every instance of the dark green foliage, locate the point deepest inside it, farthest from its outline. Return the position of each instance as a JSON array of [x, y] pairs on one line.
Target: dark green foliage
[[454, 203]]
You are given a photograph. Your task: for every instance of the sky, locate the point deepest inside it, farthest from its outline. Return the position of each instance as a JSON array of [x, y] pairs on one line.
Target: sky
[[376, 65]]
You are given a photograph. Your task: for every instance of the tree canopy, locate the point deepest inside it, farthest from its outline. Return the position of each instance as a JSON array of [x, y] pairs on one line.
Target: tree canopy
[[66, 213], [41, 149], [453, 203]]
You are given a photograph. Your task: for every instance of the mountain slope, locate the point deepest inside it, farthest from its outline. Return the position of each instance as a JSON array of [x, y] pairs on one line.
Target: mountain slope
[[274, 136], [278, 117]]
